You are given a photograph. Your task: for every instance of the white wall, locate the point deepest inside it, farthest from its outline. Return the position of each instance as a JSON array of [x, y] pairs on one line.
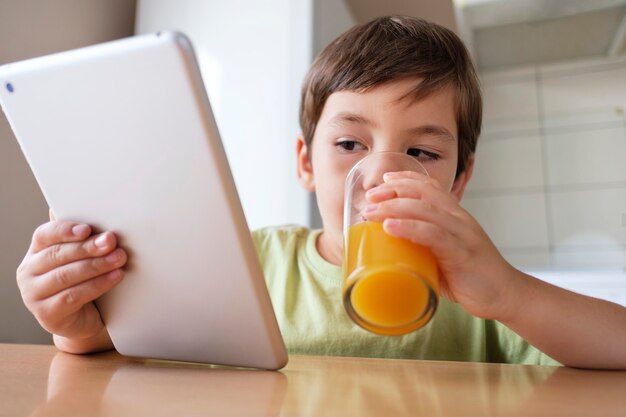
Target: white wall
[[550, 178], [29, 28], [253, 56]]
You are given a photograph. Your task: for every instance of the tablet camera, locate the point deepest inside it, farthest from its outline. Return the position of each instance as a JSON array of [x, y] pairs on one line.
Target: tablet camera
[[10, 88]]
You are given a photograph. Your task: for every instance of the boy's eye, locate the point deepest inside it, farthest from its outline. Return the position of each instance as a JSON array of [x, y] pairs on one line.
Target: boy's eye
[[350, 145], [421, 154]]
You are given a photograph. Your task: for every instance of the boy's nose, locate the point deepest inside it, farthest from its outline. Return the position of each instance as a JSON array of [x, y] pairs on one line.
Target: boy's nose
[[372, 172]]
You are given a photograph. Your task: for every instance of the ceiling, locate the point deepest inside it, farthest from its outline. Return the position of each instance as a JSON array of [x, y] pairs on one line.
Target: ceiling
[[516, 33], [438, 11]]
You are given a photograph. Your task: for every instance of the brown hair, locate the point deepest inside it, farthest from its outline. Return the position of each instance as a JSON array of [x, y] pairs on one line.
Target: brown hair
[[389, 48]]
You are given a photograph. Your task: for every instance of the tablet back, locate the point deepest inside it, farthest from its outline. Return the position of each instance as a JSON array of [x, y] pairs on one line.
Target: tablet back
[[121, 136]]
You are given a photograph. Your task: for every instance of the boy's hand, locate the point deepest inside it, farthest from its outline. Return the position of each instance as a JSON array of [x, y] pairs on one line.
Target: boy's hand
[[64, 270], [472, 271]]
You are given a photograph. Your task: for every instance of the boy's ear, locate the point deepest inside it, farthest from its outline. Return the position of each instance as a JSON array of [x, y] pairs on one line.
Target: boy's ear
[[458, 188], [305, 168]]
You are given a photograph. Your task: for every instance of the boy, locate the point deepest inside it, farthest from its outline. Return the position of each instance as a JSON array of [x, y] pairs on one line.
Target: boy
[[394, 84]]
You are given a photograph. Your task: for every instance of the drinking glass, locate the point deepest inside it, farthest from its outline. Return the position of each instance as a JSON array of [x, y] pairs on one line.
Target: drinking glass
[[391, 285]]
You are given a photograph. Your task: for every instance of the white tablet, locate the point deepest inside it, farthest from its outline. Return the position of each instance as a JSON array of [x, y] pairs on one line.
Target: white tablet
[[121, 136]]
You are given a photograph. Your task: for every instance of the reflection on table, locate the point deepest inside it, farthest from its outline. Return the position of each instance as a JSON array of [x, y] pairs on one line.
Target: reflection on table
[[40, 381]]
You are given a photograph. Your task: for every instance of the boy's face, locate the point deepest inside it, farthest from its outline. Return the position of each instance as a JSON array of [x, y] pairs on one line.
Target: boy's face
[[354, 124]]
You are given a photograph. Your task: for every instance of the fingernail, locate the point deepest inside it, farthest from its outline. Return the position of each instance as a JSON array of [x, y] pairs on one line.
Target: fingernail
[[389, 176], [392, 223], [371, 207], [114, 275], [112, 257], [101, 241], [80, 229]]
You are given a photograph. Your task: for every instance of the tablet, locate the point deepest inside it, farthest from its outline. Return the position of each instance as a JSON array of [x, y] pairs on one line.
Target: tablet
[[121, 136]]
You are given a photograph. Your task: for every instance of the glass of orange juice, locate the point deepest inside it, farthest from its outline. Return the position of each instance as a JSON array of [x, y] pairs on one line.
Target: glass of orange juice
[[391, 285]]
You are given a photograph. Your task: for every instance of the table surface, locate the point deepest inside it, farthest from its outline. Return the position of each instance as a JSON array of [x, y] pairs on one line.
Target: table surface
[[38, 380]]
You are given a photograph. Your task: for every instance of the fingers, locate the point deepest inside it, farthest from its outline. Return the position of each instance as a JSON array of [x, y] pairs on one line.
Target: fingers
[[73, 274], [417, 231], [426, 213], [66, 269], [55, 312], [446, 247], [64, 253], [58, 231], [413, 185], [390, 176], [412, 209]]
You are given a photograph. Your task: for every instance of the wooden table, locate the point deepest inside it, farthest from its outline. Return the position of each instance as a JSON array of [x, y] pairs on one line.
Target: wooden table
[[40, 381]]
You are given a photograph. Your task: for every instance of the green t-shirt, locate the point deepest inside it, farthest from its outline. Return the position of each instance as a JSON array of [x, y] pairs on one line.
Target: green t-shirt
[[306, 293]]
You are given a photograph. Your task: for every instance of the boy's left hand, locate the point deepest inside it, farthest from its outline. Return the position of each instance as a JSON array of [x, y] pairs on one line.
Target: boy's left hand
[[472, 271]]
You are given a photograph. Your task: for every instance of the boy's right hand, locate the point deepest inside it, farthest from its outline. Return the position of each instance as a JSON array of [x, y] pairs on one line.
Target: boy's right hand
[[64, 270]]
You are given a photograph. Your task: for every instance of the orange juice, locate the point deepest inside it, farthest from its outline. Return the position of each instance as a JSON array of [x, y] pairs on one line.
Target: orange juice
[[390, 284]]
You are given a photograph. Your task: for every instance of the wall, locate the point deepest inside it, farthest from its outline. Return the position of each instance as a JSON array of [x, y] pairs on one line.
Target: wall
[[30, 28], [253, 57], [330, 19], [550, 179]]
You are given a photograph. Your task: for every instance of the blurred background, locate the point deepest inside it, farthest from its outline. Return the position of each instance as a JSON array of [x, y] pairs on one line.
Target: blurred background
[[550, 181]]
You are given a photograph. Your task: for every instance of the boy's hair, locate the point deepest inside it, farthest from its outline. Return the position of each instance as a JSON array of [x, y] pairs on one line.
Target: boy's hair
[[390, 48]]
